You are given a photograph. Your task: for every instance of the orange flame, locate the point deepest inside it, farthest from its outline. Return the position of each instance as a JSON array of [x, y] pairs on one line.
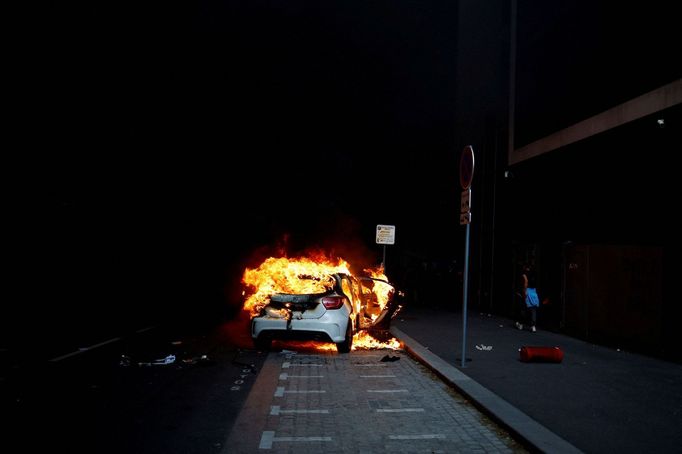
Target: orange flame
[[361, 341], [380, 293], [282, 275], [365, 341], [306, 346]]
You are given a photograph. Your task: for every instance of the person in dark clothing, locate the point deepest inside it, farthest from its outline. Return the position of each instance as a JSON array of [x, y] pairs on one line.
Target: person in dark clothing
[[528, 300]]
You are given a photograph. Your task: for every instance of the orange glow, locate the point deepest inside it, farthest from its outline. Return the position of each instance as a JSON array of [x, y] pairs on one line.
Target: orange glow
[[305, 346], [382, 292], [365, 341], [361, 341], [282, 275]]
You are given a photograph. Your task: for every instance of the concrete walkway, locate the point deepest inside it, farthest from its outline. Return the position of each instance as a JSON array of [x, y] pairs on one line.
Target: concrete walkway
[[596, 400]]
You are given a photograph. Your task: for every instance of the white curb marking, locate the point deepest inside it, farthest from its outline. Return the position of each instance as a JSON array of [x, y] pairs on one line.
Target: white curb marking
[[399, 410], [416, 437]]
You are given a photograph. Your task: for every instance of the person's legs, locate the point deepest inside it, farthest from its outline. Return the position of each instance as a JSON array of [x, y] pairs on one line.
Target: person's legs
[[521, 312], [533, 315], [533, 303]]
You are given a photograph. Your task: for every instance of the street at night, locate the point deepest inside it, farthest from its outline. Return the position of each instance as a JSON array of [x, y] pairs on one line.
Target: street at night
[[158, 154]]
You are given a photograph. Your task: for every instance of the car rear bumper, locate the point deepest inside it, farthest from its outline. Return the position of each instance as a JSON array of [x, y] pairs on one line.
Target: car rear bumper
[[328, 328]]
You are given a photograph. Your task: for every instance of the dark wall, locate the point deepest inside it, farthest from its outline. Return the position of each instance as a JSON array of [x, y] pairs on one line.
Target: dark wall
[[614, 296], [577, 59]]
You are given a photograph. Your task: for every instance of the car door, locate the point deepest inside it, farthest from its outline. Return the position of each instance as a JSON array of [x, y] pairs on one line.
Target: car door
[[350, 289], [377, 301]]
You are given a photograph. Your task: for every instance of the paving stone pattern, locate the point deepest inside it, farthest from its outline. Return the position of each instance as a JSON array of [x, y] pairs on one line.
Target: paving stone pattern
[[356, 403]]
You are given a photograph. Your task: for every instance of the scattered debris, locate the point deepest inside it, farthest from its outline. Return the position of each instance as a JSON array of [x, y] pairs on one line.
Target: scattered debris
[[127, 361], [202, 360], [170, 359], [484, 347], [389, 358]]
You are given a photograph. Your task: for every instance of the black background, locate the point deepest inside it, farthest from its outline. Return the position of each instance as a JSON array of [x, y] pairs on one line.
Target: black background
[[157, 149]]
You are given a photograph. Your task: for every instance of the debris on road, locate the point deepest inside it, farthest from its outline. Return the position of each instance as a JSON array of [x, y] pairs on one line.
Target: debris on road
[[389, 358]]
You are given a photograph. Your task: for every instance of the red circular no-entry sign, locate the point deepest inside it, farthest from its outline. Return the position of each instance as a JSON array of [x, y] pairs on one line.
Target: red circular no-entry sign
[[466, 167]]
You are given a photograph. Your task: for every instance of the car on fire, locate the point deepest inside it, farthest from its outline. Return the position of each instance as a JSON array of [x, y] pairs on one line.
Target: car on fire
[[344, 305]]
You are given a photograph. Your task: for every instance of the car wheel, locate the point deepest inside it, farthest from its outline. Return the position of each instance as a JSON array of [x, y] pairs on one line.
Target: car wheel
[[345, 346], [263, 343]]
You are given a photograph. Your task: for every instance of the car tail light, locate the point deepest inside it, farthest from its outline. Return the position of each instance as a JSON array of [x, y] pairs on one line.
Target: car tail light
[[333, 302]]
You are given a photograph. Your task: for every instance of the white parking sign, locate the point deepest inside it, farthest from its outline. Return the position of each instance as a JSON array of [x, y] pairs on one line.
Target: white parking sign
[[385, 234]]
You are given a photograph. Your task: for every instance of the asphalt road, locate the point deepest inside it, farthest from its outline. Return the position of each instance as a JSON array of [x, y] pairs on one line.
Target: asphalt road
[[165, 390]]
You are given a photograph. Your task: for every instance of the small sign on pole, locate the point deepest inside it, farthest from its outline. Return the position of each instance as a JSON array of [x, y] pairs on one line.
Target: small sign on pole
[[464, 207], [465, 201], [385, 234]]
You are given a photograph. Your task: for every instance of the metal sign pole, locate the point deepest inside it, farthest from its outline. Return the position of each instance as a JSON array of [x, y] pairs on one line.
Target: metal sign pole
[[466, 175], [383, 262], [465, 295]]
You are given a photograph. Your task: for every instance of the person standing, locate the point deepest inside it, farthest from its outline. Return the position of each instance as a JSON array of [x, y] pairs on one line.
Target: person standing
[[528, 300]]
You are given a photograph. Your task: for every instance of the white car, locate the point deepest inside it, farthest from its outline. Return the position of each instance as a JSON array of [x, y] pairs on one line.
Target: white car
[[334, 315]]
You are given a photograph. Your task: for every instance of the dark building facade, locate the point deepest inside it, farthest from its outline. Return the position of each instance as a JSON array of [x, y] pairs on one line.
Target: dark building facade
[[575, 166]]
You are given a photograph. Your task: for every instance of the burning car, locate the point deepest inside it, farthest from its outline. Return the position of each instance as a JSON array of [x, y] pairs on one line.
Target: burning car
[[325, 304]]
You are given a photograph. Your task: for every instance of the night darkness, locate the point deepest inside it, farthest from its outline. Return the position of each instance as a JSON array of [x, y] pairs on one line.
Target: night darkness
[[159, 147]]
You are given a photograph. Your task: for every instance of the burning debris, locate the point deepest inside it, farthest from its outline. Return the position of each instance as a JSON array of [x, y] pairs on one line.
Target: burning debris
[[364, 340]]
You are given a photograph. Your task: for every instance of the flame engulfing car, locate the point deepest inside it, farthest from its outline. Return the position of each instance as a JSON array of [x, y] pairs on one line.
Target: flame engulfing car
[[340, 306]]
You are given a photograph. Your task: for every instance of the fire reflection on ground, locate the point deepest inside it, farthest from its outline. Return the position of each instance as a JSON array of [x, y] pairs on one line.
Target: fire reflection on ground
[[303, 346], [237, 333]]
